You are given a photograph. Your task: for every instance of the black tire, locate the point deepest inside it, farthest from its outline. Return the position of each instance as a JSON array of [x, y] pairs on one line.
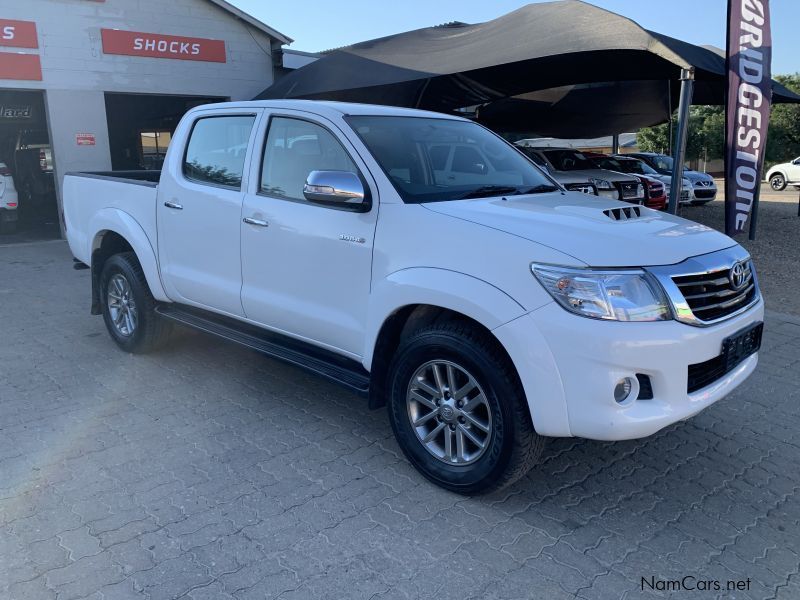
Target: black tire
[[777, 182], [151, 331], [513, 447]]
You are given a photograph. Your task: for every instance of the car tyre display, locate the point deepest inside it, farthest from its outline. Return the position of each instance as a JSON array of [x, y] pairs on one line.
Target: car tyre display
[[453, 381], [128, 307], [777, 182]]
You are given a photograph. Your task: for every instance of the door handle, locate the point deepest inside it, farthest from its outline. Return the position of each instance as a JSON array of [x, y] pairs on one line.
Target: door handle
[[258, 222], [174, 205]]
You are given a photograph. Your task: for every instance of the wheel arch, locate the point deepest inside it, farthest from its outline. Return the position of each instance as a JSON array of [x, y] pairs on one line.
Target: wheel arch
[[413, 298], [115, 232]]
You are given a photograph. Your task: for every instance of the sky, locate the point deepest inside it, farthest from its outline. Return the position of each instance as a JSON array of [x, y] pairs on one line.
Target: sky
[[320, 25]]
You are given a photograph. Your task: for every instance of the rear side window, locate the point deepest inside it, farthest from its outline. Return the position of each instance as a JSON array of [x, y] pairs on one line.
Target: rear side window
[[216, 150]]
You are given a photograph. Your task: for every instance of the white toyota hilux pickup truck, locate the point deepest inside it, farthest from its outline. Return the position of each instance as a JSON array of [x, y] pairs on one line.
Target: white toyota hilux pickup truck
[[424, 262]]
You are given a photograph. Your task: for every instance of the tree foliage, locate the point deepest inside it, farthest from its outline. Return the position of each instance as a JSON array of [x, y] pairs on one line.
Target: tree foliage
[[706, 133]]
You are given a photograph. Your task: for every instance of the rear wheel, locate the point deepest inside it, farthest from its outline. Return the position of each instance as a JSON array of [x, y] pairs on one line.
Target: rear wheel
[[777, 182], [128, 307], [458, 411]]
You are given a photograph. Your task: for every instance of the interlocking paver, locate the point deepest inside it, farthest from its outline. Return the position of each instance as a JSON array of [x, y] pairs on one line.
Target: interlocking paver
[[206, 471]]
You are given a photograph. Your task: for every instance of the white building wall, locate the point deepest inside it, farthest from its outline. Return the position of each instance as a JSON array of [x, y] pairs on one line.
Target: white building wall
[[76, 72]]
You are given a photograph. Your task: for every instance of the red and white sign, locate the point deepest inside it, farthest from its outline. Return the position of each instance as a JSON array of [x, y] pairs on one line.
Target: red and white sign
[[85, 139], [156, 45], [25, 67], [18, 34]]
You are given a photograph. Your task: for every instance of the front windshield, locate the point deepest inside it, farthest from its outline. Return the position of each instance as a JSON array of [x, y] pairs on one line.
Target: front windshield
[[431, 160], [663, 162], [611, 164], [568, 160], [645, 169]]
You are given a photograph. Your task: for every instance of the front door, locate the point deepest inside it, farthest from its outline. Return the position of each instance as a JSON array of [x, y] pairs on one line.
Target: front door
[[306, 268], [199, 213]]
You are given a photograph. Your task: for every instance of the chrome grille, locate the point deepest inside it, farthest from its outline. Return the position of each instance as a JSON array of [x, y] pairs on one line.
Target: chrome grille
[[630, 189], [712, 295]]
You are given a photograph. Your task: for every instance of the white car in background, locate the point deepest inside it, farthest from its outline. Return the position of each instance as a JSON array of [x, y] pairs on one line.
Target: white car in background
[[9, 201], [784, 174], [567, 165]]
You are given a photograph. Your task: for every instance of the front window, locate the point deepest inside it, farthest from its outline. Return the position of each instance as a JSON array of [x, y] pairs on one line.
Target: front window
[[294, 149], [568, 160], [431, 160]]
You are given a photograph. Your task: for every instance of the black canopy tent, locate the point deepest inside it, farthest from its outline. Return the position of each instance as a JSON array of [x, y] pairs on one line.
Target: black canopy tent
[[561, 68]]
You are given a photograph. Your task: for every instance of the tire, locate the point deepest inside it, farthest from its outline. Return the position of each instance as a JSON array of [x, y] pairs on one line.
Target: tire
[[142, 330], [511, 445], [777, 182]]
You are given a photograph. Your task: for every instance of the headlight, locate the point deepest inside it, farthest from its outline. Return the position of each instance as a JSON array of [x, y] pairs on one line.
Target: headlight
[[601, 184], [629, 295]]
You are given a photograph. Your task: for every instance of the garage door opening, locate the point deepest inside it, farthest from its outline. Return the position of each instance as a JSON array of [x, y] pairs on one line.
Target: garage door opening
[[140, 127], [28, 206]]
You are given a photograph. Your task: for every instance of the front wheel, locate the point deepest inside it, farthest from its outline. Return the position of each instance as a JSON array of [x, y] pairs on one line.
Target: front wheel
[[777, 182], [128, 307], [458, 411]]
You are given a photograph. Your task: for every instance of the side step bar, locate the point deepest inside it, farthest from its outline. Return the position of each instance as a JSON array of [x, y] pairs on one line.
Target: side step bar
[[331, 366]]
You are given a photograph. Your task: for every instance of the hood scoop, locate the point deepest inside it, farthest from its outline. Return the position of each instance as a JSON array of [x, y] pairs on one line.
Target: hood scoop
[[623, 214]]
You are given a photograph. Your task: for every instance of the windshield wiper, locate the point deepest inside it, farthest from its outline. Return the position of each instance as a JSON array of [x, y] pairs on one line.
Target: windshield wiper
[[490, 190], [542, 188]]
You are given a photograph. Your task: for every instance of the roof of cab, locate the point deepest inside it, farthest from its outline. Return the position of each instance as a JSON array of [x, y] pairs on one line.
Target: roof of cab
[[329, 108]]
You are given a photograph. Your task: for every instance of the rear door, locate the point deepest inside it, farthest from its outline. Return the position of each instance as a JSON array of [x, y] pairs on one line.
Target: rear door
[[306, 268], [199, 210]]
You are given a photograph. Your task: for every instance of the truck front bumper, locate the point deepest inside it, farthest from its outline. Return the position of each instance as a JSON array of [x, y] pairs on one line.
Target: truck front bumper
[[569, 366]]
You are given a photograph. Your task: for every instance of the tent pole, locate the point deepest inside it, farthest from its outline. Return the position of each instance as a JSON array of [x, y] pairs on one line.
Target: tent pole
[[615, 144], [687, 87]]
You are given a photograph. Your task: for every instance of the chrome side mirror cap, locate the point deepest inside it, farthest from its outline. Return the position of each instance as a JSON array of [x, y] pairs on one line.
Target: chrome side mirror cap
[[341, 189]]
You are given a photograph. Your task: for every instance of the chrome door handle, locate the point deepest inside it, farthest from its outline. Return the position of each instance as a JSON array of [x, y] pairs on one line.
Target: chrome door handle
[[174, 205], [259, 222]]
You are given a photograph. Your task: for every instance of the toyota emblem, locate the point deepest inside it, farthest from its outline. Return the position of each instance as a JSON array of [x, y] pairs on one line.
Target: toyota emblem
[[737, 276]]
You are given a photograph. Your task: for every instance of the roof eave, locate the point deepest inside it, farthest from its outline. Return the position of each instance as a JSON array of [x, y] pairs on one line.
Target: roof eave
[[250, 20]]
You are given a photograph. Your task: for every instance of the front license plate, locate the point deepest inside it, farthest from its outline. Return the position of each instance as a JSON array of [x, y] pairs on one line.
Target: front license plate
[[741, 345]]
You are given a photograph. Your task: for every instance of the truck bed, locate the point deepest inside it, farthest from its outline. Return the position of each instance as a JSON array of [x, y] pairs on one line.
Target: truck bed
[[98, 201]]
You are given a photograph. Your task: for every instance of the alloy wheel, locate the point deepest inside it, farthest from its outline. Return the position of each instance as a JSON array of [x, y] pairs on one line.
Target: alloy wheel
[[449, 412], [121, 305]]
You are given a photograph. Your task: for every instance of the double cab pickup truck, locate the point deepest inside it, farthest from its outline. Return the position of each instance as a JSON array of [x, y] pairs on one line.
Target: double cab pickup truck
[[422, 261]]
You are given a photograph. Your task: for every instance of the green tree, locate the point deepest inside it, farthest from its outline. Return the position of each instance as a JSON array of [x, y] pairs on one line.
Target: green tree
[[706, 135]]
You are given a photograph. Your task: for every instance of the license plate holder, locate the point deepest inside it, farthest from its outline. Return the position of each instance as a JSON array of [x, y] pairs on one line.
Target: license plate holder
[[741, 345]]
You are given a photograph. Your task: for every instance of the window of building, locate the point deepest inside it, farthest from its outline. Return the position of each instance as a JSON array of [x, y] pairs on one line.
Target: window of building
[[153, 148]]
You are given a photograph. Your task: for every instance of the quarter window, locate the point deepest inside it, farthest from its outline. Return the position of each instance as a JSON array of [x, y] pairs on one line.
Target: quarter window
[[293, 149], [216, 150]]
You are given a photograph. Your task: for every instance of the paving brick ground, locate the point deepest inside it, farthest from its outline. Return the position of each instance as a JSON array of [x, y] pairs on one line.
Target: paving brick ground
[[209, 472]]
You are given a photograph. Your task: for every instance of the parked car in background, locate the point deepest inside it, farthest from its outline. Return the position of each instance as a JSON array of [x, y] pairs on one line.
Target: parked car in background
[[566, 165], [784, 174], [703, 187], [570, 181], [654, 188], [637, 165], [9, 201], [486, 309]]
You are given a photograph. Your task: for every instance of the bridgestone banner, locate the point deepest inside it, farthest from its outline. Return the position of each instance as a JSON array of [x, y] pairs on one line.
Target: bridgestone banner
[[748, 108]]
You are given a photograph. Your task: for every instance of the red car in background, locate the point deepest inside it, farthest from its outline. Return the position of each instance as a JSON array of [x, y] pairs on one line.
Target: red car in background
[[654, 190]]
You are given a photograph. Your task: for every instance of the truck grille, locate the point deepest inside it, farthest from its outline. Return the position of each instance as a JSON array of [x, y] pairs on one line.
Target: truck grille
[[630, 189], [713, 295]]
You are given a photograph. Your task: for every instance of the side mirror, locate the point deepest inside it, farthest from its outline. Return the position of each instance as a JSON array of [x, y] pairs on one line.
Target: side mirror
[[796, 161], [342, 189]]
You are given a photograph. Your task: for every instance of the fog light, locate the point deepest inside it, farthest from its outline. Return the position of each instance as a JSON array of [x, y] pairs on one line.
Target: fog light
[[622, 391]]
